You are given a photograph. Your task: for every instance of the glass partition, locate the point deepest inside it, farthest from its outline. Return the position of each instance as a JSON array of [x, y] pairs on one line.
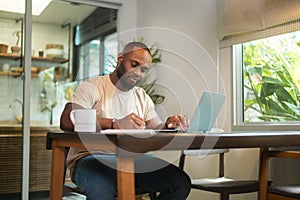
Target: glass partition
[[51, 85], [11, 98]]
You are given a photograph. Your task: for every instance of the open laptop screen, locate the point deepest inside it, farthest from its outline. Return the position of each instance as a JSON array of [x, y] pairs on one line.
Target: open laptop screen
[[206, 112]]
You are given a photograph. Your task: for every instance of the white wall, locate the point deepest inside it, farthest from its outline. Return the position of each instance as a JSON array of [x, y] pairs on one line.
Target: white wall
[[186, 34], [186, 31]]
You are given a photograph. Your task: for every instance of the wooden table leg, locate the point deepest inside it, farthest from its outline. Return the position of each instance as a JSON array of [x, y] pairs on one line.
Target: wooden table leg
[[57, 172], [263, 175], [125, 179]]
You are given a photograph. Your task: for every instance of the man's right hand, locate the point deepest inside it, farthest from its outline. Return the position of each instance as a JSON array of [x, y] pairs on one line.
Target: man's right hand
[[131, 121]]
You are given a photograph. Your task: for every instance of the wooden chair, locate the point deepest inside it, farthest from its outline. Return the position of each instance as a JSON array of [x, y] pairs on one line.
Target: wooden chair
[[222, 185], [276, 192]]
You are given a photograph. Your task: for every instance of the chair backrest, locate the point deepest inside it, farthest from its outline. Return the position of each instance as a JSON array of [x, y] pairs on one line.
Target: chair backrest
[[265, 155], [202, 153]]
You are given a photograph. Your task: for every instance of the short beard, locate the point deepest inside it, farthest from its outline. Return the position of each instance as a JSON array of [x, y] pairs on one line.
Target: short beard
[[122, 83], [125, 84]]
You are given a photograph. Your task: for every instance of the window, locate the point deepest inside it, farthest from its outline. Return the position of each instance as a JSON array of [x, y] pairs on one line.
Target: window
[[96, 46], [267, 85], [89, 60], [97, 57]]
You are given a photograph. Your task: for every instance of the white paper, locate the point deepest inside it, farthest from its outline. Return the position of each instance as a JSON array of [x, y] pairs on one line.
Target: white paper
[[128, 131]]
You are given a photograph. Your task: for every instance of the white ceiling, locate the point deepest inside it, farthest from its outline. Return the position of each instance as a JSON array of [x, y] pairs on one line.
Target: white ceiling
[[57, 12]]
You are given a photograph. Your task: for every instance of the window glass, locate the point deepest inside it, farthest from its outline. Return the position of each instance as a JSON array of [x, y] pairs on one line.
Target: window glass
[[270, 77], [94, 61], [110, 53], [89, 60]]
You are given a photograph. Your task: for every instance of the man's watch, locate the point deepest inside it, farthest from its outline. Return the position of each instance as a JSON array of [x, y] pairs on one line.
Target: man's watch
[[113, 121]]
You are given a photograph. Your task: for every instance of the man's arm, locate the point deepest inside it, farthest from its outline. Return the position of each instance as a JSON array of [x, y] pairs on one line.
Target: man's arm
[[65, 121], [130, 121], [67, 125], [175, 121], [154, 123]]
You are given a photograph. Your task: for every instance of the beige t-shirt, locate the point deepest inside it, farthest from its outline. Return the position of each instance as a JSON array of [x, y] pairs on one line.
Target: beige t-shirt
[[101, 94]]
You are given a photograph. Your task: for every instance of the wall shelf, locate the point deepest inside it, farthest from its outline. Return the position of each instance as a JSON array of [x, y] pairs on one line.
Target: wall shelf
[[17, 74], [35, 58]]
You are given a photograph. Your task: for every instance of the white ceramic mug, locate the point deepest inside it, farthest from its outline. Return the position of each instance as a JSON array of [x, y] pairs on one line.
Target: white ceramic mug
[[84, 120]]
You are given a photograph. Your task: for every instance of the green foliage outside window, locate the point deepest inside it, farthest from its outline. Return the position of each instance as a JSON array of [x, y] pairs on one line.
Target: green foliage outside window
[[272, 79]]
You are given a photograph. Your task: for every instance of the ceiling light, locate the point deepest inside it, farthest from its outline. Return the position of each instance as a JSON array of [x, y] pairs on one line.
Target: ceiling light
[[18, 6]]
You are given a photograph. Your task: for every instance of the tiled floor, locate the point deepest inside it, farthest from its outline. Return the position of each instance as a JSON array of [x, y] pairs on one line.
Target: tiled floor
[[45, 196]]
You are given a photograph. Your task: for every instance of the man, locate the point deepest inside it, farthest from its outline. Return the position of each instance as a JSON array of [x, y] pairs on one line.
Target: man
[[120, 104]]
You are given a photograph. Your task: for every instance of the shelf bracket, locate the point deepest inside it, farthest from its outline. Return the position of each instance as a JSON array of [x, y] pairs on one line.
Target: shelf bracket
[[69, 44], [22, 31]]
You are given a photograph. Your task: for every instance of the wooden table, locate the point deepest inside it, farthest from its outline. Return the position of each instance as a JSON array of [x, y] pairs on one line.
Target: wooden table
[[127, 146]]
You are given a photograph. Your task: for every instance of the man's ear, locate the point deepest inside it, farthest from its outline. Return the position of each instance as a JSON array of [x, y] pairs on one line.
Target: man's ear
[[120, 58]]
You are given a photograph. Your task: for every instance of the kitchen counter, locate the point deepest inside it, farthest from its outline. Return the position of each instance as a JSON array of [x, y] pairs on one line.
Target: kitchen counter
[[13, 125], [18, 127]]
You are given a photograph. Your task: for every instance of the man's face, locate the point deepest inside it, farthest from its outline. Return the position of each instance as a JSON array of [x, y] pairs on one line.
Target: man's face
[[133, 67]]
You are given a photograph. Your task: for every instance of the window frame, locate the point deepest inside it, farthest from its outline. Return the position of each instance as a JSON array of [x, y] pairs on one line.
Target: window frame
[[237, 103]]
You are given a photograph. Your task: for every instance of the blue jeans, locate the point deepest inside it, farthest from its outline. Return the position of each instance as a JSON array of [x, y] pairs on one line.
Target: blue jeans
[[96, 176]]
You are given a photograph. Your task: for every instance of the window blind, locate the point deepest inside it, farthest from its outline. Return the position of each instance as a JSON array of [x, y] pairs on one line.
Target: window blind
[[242, 21]]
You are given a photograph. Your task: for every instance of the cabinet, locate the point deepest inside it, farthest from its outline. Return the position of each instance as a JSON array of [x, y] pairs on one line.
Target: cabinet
[[11, 162]]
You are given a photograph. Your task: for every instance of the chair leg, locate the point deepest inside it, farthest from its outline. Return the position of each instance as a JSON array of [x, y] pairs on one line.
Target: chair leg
[[181, 160], [224, 196]]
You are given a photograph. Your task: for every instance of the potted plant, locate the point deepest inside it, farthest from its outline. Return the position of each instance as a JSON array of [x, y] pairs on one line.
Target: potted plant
[[16, 49], [3, 48]]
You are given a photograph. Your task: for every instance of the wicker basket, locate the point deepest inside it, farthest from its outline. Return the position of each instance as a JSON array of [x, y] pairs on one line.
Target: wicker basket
[[3, 48], [54, 50], [54, 46]]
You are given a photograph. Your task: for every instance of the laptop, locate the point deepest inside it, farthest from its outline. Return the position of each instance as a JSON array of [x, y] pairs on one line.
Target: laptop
[[202, 121], [206, 112]]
